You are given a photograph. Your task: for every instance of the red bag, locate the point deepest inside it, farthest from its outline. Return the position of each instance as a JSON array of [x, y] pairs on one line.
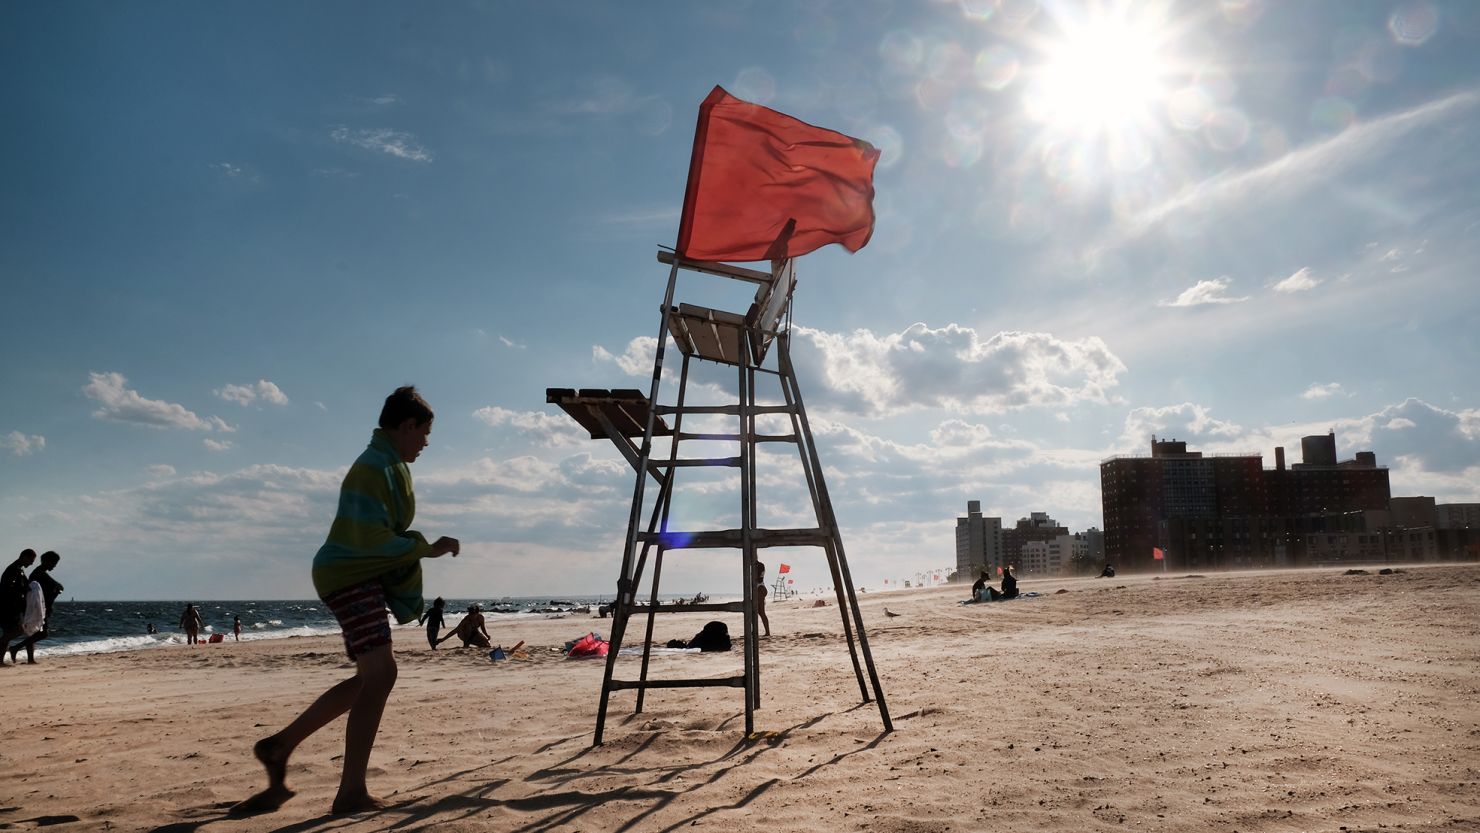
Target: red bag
[[589, 645]]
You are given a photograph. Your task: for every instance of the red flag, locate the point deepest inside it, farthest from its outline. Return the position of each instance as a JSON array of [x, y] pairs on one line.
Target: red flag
[[754, 169], [1157, 553], [785, 568]]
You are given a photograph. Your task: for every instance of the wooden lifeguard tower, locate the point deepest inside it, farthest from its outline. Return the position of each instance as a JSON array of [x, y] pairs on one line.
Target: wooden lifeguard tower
[[631, 421]]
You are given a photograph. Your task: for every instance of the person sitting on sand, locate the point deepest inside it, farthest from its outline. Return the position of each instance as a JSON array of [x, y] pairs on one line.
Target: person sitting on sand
[[1009, 586], [192, 624], [434, 621], [470, 630], [1108, 572], [370, 562], [979, 588]]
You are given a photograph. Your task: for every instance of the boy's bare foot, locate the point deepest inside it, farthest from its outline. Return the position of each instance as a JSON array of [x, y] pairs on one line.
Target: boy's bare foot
[[361, 803], [267, 801], [275, 760]]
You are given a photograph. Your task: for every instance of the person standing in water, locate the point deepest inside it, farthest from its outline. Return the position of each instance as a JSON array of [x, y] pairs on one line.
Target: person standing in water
[[371, 561]]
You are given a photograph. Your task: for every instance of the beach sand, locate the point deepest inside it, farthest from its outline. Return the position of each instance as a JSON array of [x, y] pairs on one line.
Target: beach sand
[[1275, 701]]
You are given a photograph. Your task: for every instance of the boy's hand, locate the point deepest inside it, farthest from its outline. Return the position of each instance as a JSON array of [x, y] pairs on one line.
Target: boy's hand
[[445, 545]]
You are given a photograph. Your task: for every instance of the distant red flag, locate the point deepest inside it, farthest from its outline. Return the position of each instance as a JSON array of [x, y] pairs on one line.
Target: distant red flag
[[785, 568], [754, 169], [1157, 553]]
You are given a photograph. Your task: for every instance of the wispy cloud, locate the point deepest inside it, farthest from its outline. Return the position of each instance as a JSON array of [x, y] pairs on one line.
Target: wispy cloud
[[1326, 391], [384, 140], [216, 445], [545, 428], [22, 444], [1301, 168], [1301, 281], [511, 344], [121, 404], [1213, 291], [247, 394]]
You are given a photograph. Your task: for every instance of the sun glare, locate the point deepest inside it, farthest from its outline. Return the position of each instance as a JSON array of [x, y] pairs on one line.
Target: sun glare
[[1105, 75]]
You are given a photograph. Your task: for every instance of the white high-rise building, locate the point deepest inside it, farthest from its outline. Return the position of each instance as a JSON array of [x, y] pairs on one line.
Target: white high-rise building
[[978, 542]]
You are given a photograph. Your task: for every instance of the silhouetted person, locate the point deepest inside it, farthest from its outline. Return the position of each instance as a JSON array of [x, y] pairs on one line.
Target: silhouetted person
[[979, 588], [760, 596], [434, 621], [470, 630], [50, 590], [13, 584], [236, 627], [1108, 572], [191, 623], [1009, 586]]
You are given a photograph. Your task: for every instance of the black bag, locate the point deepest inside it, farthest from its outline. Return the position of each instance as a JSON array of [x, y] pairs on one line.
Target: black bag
[[714, 637]]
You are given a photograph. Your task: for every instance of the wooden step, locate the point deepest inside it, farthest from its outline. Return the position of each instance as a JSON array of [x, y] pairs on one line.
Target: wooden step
[[685, 607], [729, 682], [708, 539]]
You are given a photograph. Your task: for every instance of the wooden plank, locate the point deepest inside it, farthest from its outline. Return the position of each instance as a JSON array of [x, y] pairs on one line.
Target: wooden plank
[[728, 682], [710, 267]]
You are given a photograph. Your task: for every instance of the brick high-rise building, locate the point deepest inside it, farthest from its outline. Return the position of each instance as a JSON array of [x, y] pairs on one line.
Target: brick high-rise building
[[1228, 510]]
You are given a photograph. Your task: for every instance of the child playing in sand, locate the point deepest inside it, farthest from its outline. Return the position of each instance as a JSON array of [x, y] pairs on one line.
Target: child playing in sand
[[371, 561]]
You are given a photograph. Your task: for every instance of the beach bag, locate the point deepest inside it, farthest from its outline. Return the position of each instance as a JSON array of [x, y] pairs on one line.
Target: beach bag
[[714, 637], [35, 616], [589, 645]]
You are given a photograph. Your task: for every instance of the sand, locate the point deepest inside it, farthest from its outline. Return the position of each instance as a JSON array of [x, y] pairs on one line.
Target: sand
[[1280, 701]]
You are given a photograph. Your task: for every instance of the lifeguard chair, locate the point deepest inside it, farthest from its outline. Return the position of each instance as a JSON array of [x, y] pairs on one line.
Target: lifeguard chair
[[778, 169]]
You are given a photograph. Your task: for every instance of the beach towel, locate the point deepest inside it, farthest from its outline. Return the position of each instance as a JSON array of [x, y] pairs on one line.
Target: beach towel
[[370, 538], [35, 616], [1035, 594]]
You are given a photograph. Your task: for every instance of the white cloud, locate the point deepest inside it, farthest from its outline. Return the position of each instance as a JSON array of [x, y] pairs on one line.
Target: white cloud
[[160, 471], [1187, 421], [1212, 291], [1301, 281], [1399, 423], [953, 367], [216, 445], [547, 428], [636, 360], [1326, 391], [22, 444], [121, 404], [249, 393], [511, 344], [394, 142]]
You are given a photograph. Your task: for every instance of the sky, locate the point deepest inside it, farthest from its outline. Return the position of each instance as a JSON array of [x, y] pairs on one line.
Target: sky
[[228, 230]]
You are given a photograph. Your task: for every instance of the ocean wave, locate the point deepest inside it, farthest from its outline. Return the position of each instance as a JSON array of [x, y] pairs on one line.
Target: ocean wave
[[110, 645]]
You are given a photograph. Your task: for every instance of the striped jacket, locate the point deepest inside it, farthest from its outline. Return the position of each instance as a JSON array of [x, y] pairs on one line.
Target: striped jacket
[[371, 538]]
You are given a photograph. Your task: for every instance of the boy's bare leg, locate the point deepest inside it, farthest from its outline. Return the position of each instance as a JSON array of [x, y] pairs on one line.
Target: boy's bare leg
[[377, 673], [273, 751]]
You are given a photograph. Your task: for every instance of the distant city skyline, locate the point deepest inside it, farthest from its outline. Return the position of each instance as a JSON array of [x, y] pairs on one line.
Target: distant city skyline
[[229, 231]]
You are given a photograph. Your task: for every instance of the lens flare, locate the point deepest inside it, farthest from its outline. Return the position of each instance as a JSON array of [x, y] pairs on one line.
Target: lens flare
[[995, 67], [1414, 23]]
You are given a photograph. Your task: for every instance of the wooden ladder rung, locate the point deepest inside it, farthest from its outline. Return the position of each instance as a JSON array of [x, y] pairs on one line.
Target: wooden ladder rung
[[685, 607], [735, 438], [708, 682], [697, 461], [726, 410], [813, 537]]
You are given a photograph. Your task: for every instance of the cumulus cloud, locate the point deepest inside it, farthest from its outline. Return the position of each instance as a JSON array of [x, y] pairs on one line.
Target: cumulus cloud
[[1213, 291], [249, 393], [1187, 421], [216, 445], [1301, 281], [1326, 391], [396, 143], [636, 360], [22, 444], [1399, 423], [953, 367], [548, 429], [120, 404]]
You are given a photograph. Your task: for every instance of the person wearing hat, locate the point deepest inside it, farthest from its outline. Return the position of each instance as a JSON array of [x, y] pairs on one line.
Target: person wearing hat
[[471, 630]]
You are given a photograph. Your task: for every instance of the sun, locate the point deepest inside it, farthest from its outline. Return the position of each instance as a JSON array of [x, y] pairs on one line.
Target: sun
[[1107, 73]]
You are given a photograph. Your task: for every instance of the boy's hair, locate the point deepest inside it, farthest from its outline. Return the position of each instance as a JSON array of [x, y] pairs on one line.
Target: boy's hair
[[50, 557], [402, 405]]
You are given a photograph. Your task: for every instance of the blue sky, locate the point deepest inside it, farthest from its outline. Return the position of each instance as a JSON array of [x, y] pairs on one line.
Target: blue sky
[[228, 230]]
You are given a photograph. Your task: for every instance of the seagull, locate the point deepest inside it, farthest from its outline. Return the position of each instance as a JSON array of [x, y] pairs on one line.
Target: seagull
[[888, 612]]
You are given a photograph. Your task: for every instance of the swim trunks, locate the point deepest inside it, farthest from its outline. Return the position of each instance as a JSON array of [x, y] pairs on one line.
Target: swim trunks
[[360, 609]]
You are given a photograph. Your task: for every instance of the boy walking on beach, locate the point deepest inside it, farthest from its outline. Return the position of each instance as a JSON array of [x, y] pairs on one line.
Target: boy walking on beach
[[371, 561]]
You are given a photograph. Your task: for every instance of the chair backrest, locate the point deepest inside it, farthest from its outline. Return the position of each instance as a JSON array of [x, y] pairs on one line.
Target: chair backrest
[[771, 300]]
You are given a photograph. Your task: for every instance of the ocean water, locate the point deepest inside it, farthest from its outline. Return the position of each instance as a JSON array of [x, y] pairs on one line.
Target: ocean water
[[98, 627]]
